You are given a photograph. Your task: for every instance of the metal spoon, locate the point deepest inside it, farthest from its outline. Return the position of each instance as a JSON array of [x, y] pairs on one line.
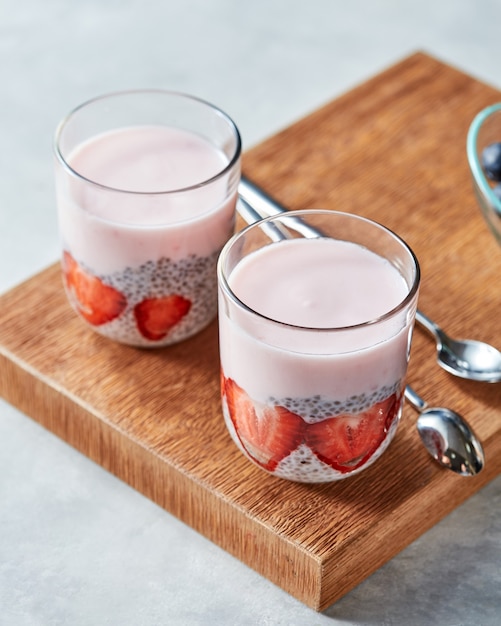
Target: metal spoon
[[473, 360], [447, 437], [466, 358]]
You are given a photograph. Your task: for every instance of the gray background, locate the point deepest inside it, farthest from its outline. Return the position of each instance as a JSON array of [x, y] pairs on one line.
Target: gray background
[[77, 546]]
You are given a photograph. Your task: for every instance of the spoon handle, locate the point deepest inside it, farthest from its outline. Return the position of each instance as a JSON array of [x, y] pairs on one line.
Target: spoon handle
[[427, 323], [257, 197], [250, 215], [264, 206], [417, 402]]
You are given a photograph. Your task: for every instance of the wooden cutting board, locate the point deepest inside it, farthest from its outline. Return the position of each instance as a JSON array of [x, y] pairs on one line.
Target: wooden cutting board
[[392, 149]]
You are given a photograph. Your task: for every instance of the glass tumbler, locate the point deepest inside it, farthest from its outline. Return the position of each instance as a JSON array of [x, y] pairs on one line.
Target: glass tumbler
[[146, 186], [316, 313]]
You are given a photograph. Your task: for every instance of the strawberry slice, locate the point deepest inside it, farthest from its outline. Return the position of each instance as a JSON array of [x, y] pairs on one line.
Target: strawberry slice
[[97, 302], [155, 317], [268, 434], [346, 442]]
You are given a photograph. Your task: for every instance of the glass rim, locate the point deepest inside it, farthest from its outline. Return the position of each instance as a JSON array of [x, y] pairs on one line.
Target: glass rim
[[162, 92], [223, 281], [473, 158]]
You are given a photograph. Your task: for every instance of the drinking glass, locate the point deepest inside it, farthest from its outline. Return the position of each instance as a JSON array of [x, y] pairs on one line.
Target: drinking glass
[[316, 313], [146, 185]]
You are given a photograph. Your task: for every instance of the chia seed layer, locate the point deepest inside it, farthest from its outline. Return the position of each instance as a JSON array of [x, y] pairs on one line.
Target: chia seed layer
[[316, 408], [192, 277]]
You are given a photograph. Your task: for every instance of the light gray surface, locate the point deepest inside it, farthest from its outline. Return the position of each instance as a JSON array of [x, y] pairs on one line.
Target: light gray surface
[[77, 546]]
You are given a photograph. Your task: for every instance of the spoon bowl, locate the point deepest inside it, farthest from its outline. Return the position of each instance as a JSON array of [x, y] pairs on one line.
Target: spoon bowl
[[465, 358], [447, 437], [450, 441]]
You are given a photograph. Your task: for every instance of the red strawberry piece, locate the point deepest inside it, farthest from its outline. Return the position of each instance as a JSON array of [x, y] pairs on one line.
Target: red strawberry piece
[[155, 317], [346, 442], [268, 434], [96, 302]]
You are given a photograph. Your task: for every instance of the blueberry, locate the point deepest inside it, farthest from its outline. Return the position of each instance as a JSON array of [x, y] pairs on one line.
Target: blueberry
[[491, 161]]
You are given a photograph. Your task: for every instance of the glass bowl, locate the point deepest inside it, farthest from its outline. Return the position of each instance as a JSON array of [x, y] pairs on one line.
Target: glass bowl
[[485, 130]]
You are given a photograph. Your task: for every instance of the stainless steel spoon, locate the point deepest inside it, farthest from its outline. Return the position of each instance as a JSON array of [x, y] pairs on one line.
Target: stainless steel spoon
[[466, 358], [447, 437]]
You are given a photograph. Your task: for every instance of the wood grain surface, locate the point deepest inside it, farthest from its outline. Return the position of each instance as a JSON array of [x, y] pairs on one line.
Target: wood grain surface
[[392, 149]]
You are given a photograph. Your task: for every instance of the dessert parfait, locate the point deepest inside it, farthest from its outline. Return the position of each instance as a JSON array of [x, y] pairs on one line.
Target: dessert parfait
[[314, 337], [146, 187]]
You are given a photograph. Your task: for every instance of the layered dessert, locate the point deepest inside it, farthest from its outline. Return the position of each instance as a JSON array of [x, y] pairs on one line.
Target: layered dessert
[[312, 363], [141, 234]]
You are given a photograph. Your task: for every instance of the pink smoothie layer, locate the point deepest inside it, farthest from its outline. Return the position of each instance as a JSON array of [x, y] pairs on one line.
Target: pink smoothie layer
[[320, 284], [108, 228], [147, 159]]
